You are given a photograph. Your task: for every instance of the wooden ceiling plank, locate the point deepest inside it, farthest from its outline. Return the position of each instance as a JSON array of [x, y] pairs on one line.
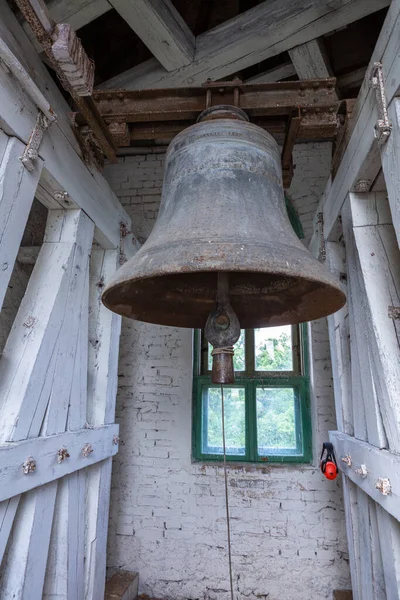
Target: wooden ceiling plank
[[161, 28], [266, 30], [310, 60]]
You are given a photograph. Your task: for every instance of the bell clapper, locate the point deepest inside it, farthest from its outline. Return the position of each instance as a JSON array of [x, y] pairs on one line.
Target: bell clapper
[[222, 331]]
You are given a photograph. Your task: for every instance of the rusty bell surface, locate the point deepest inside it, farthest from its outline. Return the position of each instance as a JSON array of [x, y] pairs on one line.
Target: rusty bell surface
[[223, 210]]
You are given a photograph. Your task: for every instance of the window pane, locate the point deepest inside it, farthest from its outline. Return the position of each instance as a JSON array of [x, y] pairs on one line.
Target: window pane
[[235, 428], [277, 410], [273, 348], [238, 359]]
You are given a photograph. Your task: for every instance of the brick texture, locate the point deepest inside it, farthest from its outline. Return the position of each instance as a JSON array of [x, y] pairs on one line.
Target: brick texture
[[167, 516]]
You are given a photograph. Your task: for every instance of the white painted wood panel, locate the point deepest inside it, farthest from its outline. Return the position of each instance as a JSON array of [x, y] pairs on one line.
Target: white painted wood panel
[[17, 190]]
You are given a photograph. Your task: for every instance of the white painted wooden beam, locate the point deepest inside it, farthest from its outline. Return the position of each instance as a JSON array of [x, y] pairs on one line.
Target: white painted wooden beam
[[64, 169], [104, 330], [44, 451], [310, 60], [161, 28], [379, 464], [17, 190], [261, 32], [390, 154], [361, 158]]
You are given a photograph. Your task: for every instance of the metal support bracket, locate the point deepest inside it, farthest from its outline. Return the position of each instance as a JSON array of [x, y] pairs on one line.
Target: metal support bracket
[[383, 126], [31, 152]]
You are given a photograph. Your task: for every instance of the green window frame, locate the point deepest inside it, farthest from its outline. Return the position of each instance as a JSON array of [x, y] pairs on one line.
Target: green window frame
[[254, 382]]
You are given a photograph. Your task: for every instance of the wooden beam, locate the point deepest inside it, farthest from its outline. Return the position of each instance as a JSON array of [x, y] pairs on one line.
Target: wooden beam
[[104, 329], [161, 28], [379, 464], [390, 154], [266, 30], [310, 60], [63, 169], [17, 190], [44, 451], [361, 159]]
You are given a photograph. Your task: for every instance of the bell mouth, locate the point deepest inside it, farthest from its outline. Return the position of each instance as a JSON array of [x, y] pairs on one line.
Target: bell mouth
[[258, 299]]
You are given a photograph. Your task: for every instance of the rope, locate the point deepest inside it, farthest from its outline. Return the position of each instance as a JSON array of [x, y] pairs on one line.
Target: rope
[[226, 350], [228, 525]]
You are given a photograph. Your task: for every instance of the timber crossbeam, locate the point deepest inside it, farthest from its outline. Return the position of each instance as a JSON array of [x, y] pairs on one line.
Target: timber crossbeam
[[374, 470], [31, 463]]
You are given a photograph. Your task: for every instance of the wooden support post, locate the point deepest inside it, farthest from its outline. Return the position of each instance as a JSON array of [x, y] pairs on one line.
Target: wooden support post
[[17, 190], [310, 60], [390, 154], [104, 329]]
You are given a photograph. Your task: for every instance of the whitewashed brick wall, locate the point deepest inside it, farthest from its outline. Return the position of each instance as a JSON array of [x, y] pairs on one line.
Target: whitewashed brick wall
[[167, 513]]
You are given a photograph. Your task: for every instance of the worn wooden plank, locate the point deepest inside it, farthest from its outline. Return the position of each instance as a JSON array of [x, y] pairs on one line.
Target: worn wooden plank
[[59, 148], [44, 450], [365, 558], [310, 60], [339, 337], [364, 392], [161, 28], [361, 158], [266, 30], [353, 534], [378, 256], [8, 508], [379, 464], [390, 154], [389, 532], [378, 581], [104, 329], [17, 190], [25, 566]]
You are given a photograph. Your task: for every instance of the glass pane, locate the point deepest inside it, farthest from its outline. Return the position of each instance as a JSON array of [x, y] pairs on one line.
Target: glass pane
[[276, 421], [238, 359], [235, 427], [273, 348]]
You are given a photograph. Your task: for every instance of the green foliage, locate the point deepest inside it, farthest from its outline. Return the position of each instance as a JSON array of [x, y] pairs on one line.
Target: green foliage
[[235, 427], [275, 354], [275, 407], [275, 418]]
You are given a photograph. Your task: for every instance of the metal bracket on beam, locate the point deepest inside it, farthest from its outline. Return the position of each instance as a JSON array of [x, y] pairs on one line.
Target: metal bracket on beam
[[383, 126], [31, 152]]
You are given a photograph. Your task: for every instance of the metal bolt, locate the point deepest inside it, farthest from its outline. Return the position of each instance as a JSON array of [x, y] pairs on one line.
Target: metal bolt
[[362, 471], [347, 460], [86, 450], [363, 185], [384, 486], [116, 440], [62, 454], [29, 466]]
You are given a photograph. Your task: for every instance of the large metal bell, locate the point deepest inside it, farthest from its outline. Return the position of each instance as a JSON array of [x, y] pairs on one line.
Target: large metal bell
[[223, 210]]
